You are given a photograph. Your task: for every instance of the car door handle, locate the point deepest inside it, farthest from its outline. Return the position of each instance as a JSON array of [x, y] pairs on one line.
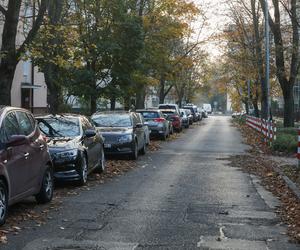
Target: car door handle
[[26, 155], [42, 147]]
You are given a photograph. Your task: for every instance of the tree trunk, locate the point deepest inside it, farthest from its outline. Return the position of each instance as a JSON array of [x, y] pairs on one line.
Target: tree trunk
[[7, 71], [55, 98], [140, 98], [288, 96], [162, 89], [112, 103], [50, 70], [93, 104], [259, 62]]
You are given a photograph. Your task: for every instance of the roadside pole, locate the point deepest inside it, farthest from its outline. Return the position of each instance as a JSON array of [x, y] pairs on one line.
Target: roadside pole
[[267, 44]]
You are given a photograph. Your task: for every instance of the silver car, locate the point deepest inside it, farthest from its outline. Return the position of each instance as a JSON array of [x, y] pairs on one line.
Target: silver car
[[156, 122]]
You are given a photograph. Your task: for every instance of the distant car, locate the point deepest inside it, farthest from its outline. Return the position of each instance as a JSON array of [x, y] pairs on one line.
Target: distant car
[[204, 112], [146, 128], [194, 111], [190, 116], [207, 107], [175, 118], [76, 148], [157, 123], [170, 106], [25, 163], [185, 118], [123, 133]]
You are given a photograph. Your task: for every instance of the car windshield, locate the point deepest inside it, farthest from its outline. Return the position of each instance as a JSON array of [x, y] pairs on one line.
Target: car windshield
[[59, 126], [112, 120], [149, 114]]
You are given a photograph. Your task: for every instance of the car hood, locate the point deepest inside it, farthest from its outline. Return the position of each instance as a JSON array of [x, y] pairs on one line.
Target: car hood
[[114, 130], [63, 143]]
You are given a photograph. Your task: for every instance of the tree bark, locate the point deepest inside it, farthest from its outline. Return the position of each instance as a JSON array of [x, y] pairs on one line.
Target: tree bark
[[288, 97], [55, 98], [112, 103], [93, 104], [140, 97], [162, 89]]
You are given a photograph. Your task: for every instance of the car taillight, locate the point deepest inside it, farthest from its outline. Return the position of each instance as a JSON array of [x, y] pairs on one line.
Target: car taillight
[[159, 119]]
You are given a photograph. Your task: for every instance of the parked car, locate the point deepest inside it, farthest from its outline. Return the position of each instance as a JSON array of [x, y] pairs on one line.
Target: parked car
[[123, 133], [169, 106], [25, 164], [185, 118], [204, 112], [190, 116], [76, 148], [194, 111], [198, 114], [173, 117], [158, 125], [145, 127], [207, 107]]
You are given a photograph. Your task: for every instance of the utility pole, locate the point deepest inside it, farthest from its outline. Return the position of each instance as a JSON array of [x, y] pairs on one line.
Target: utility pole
[[32, 62], [267, 45]]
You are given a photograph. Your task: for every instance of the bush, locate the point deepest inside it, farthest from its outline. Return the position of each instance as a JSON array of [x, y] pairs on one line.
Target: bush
[[289, 131], [286, 141]]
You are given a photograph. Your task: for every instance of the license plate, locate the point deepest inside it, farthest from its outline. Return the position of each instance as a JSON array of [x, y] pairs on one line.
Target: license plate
[[107, 145]]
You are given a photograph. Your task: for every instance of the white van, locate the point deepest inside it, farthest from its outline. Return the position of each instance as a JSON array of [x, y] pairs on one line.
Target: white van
[[207, 107]]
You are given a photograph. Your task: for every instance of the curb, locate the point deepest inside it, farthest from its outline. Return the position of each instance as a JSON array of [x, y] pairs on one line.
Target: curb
[[289, 182]]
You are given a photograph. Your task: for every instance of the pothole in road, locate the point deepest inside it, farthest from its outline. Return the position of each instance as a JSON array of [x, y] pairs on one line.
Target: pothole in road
[[68, 244]]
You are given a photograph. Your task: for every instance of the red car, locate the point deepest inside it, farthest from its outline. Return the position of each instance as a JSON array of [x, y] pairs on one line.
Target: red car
[[174, 117], [25, 165]]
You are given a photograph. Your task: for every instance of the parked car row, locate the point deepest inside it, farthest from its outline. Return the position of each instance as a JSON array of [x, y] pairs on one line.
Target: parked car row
[[37, 151]]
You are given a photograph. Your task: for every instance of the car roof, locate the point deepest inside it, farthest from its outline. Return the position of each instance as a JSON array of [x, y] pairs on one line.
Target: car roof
[[168, 110], [121, 112], [59, 115], [148, 110]]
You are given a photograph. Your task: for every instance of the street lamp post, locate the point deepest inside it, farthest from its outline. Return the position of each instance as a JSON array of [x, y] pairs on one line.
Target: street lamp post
[[267, 45]]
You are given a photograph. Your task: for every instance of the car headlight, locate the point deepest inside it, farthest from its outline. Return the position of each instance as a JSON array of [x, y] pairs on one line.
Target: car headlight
[[66, 155], [125, 138]]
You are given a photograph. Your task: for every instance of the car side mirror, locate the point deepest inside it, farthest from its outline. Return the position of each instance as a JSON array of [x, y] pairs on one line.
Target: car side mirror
[[139, 125], [90, 133], [17, 140]]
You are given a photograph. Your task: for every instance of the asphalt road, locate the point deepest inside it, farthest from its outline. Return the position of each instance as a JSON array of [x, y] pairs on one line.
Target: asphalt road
[[184, 196]]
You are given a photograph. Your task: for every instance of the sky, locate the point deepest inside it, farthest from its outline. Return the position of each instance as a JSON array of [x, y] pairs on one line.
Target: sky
[[215, 11]]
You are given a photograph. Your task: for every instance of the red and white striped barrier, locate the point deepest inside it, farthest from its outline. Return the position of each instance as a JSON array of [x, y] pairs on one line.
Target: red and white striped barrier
[[266, 127]]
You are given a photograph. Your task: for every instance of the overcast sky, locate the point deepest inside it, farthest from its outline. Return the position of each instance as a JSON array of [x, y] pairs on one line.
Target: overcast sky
[[215, 11]]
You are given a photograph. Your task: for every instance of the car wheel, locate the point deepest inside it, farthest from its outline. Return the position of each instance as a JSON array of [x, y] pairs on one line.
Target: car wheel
[[164, 137], [3, 202], [83, 171], [101, 166], [144, 148], [134, 154], [46, 193]]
